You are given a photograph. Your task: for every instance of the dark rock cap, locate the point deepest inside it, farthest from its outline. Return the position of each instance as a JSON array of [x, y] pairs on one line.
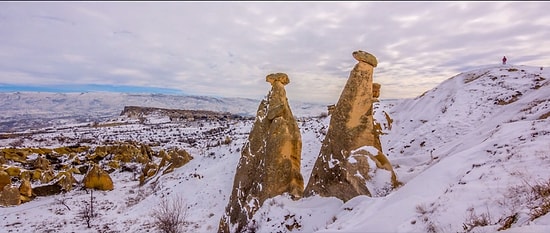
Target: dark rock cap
[[281, 77], [363, 56]]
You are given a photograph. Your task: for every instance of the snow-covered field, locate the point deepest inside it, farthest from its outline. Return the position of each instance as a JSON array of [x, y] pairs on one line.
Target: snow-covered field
[[473, 154]]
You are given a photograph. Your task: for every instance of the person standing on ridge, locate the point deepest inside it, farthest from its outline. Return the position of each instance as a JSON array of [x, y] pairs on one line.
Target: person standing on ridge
[[504, 60]]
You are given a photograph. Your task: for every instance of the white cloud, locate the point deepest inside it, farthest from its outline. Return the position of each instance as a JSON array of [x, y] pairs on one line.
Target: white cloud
[[227, 48], [129, 72]]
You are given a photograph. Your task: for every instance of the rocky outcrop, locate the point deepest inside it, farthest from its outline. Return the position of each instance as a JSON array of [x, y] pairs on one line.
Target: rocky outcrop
[[351, 148], [376, 91], [149, 170], [47, 190], [330, 109], [270, 160], [50, 171], [25, 190], [174, 159], [65, 180], [170, 160], [47, 176], [41, 163], [5, 179], [138, 112], [9, 196], [97, 178], [123, 152]]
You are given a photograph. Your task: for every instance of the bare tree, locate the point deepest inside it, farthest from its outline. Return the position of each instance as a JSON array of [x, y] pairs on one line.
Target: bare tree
[[86, 213], [170, 215], [62, 201]]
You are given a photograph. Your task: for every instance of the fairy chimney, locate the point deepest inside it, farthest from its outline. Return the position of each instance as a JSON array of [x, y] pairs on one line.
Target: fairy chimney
[[97, 178], [270, 160], [342, 167]]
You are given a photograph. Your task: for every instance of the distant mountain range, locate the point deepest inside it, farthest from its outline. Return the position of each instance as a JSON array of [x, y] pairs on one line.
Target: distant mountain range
[[87, 88], [25, 110]]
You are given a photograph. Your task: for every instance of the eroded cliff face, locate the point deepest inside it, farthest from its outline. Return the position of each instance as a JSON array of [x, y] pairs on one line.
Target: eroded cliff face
[[270, 160], [351, 149]]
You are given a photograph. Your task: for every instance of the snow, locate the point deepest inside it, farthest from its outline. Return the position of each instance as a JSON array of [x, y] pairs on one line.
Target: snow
[[470, 147], [371, 149]]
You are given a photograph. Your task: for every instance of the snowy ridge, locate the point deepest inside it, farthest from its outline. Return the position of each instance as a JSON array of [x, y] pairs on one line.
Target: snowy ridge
[[473, 148], [461, 148]]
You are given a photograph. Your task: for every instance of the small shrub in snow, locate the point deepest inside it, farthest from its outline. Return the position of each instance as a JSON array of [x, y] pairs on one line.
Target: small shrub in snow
[[508, 221], [421, 209], [541, 189], [170, 215], [473, 220], [227, 140], [86, 212], [540, 210], [430, 227], [62, 201], [541, 198]]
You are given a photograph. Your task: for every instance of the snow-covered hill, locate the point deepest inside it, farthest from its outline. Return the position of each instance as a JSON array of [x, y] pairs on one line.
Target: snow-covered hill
[[475, 146], [473, 154]]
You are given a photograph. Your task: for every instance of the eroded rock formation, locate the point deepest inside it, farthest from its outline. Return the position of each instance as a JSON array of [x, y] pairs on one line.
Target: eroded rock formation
[[97, 178], [270, 160], [25, 190], [44, 171], [9, 196], [5, 179], [138, 112], [351, 148]]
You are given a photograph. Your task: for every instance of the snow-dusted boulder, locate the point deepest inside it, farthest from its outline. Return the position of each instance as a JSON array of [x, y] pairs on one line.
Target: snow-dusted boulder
[[65, 180], [174, 159]]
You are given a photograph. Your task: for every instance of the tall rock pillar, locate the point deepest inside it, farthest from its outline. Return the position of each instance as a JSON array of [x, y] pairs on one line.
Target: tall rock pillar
[[270, 160], [351, 149]]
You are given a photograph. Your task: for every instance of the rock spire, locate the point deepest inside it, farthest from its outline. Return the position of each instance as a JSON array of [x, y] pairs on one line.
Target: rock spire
[[270, 160], [351, 149]]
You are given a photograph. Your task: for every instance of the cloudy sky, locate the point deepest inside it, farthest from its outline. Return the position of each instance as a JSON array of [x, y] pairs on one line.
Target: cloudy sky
[[228, 48]]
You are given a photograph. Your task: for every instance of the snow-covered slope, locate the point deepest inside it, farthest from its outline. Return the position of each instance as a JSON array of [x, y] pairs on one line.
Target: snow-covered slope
[[473, 146], [471, 150], [473, 154]]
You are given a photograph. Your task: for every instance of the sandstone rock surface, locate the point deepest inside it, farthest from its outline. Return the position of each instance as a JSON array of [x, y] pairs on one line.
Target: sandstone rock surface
[[41, 163], [270, 160], [5, 179], [9, 196], [97, 178], [176, 158], [65, 180], [25, 190]]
